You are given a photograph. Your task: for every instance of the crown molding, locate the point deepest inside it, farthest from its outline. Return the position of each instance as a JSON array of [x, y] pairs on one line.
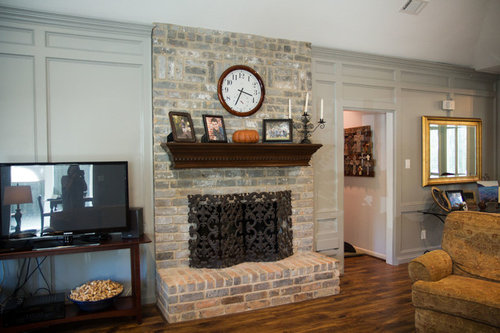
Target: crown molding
[[400, 63], [68, 21]]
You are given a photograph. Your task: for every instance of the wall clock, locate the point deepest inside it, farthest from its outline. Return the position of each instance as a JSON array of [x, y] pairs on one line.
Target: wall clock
[[241, 90]]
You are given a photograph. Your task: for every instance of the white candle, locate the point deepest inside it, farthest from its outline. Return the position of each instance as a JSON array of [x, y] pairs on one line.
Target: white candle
[[289, 109], [321, 115], [307, 100]]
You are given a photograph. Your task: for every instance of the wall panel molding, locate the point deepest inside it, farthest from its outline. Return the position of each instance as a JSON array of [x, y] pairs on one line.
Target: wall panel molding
[[399, 63], [68, 21], [91, 100]]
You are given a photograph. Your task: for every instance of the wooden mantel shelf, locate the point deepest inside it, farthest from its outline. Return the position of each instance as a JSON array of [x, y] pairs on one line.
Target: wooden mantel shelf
[[230, 155]]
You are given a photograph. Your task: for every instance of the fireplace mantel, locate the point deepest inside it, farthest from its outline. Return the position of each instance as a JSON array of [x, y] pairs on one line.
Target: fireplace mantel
[[229, 155]]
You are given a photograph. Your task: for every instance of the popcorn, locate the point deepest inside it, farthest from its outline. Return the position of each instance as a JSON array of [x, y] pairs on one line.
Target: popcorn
[[96, 290]]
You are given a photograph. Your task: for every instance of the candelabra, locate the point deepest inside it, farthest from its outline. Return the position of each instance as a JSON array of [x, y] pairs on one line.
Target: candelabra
[[307, 128]]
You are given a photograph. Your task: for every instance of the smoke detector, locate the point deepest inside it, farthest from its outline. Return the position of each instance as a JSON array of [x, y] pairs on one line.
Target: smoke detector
[[413, 7]]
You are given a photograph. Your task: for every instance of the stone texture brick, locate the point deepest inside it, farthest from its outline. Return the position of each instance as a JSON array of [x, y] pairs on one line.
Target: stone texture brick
[[255, 296], [178, 304], [232, 299], [240, 290], [187, 63]]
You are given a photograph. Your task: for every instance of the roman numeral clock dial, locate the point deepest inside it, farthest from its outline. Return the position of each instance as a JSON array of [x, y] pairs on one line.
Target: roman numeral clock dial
[[241, 90]]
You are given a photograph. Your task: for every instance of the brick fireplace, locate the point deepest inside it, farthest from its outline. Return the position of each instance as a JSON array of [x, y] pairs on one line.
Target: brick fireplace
[[187, 63]]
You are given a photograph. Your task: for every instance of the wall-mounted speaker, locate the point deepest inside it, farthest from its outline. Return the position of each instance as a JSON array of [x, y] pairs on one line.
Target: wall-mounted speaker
[[135, 223]]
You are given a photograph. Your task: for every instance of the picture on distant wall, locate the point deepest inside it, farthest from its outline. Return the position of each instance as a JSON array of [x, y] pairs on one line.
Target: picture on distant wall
[[215, 130], [358, 152], [182, 127], [277, 130], [488, 191]]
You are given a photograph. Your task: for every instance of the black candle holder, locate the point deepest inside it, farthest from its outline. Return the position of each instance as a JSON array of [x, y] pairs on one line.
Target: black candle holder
[[307, 128]]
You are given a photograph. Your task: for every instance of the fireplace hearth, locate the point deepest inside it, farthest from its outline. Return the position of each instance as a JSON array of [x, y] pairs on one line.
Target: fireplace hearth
[[233, 228]]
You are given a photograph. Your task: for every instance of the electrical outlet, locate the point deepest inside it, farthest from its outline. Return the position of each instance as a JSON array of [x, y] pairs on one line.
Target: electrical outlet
[[423, 234]]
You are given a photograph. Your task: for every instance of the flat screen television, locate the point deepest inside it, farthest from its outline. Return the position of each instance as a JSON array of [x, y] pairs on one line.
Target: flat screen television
[[45, 199]]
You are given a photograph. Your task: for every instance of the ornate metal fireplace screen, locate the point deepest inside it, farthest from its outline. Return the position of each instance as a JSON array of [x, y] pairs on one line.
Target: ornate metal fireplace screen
[[233, 228]]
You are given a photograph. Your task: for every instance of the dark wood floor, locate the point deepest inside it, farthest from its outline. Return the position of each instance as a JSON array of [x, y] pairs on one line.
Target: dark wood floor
[[374, 297]]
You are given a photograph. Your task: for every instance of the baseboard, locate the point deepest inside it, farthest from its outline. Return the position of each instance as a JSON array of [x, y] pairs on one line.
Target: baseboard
[[370, 253]]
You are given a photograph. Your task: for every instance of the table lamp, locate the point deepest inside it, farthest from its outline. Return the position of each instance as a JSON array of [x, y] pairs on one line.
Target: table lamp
[[16, 195]]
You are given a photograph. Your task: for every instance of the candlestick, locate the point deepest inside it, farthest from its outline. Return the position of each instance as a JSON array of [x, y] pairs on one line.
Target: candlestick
[[306, 128], [307, 100], [289, 109], [321, 115]]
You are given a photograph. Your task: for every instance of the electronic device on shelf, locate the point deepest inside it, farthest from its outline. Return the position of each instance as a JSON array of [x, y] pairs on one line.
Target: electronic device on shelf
[[44, 203], [36, 308]]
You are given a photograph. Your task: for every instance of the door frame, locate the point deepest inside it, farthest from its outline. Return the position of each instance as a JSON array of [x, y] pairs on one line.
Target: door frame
[[390, 135]]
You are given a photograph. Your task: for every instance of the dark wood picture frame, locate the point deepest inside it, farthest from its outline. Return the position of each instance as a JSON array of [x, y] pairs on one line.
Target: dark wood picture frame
[[277, 130], [215, 130], [182, 127]]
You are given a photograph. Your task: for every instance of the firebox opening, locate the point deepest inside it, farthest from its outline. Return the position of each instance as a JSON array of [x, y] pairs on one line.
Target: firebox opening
[[233, 228]]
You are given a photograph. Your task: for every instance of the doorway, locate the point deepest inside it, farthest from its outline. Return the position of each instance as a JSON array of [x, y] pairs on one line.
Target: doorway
[[368, 201]]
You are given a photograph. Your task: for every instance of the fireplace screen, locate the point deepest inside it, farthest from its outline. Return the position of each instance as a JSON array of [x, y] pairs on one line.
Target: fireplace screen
[[233, 228]]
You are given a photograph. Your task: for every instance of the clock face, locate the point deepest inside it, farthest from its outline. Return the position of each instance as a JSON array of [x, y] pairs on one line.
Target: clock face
[[241, 90]]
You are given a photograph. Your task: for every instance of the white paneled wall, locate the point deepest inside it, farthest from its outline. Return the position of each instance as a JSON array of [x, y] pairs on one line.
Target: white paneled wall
[[75, 89], [404, 90]]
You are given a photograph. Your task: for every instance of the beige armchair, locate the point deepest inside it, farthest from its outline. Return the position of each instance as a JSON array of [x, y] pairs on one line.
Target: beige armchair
[[457, 289]]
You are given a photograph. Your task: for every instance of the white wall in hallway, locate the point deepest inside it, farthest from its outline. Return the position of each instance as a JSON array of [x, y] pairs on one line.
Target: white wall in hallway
[[365, 212]]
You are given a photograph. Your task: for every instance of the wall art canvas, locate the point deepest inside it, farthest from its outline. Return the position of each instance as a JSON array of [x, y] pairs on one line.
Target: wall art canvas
[[358, 152], [488, 191]]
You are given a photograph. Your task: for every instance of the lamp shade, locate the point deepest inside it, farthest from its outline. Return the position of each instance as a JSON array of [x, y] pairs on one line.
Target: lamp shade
[[17, 195]]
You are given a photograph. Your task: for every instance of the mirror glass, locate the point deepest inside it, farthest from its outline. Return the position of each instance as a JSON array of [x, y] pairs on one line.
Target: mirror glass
[[451, 150]]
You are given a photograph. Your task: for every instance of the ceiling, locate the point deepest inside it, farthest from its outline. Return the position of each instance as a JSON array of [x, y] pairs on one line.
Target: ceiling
[[459, 32]]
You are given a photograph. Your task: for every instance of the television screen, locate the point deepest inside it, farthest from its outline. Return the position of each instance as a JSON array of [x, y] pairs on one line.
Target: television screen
[[39, 199]]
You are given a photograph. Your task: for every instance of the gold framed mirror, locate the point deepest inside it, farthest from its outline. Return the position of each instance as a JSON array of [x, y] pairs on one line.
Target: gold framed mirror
[[451, 150]]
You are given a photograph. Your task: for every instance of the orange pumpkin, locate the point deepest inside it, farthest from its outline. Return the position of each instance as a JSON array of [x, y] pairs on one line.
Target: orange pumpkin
[[246, 136]]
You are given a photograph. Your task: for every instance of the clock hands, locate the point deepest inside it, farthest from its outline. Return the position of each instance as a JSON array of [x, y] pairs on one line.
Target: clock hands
[[241, 92]]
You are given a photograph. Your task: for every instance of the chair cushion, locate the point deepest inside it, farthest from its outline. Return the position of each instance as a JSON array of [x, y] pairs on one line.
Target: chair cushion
[[461, 296], [472, 239]]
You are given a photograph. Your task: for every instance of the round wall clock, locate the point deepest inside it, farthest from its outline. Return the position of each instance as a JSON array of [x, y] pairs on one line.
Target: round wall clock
[[241, 90]]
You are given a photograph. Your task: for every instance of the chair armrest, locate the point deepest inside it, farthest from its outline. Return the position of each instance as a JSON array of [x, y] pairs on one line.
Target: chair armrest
[[432, 266]]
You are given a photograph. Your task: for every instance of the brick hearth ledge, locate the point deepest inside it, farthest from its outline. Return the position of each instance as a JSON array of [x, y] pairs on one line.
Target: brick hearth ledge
[[186, 293]]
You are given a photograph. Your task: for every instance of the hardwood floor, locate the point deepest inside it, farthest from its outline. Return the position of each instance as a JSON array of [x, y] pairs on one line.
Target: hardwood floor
[[374, 297]]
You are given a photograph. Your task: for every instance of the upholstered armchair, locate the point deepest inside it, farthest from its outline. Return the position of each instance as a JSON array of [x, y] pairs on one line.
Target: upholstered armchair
[[457, 289]]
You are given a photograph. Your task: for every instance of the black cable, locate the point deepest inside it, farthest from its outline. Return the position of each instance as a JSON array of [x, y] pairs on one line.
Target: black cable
[[43, 276], [41, 288], [28, 276]]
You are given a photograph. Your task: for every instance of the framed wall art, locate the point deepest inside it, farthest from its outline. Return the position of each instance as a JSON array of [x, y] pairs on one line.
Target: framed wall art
[[277, 130], [358, 152]]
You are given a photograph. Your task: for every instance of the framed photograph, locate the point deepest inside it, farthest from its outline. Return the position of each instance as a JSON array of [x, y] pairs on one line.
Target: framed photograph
[[182, 126], [456, 199], [470, 199], [277, 130], [215, 131]]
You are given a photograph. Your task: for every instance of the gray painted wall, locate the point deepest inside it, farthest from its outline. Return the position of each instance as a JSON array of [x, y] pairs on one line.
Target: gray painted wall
[[75, 89], [409, 89]]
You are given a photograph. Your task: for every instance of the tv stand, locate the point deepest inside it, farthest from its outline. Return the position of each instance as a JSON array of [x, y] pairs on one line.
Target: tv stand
[[123, 306]]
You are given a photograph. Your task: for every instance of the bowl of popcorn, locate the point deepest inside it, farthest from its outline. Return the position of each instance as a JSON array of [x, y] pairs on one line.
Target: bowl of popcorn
[[95, 295]]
